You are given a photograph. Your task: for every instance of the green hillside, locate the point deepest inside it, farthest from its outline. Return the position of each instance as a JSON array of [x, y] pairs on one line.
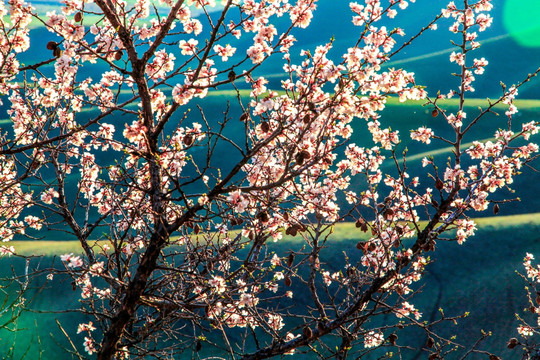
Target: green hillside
[[397, 116], [477, 277]]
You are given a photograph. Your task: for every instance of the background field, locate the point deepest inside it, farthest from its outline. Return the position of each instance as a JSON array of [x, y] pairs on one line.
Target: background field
[[478, 276]]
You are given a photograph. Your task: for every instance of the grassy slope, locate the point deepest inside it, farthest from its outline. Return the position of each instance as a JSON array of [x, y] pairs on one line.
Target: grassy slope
[[341, 232], [397, 116], [478, 276]]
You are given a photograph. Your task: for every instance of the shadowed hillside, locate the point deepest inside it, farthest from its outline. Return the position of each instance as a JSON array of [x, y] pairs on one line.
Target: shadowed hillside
[[477, 277]]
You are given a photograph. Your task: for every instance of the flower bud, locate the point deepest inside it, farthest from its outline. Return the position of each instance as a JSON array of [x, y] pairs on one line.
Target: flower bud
[[244, 117], [361, 224], [512, 343], [288, 281], [291, 230], [299, 159], [388, 214], [263, 216], [439, 184], [290, 260], [57, 52], [188, 140], [51, 45]]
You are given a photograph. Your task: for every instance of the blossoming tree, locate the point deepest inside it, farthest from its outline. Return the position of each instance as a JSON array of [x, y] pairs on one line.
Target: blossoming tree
[[103, 146]]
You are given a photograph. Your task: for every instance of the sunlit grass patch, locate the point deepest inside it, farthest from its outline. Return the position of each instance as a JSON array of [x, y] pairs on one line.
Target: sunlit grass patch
[[339, 232]]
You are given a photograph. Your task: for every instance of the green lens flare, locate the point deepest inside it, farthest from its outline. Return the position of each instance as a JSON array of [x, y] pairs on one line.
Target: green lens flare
[[521, 20]]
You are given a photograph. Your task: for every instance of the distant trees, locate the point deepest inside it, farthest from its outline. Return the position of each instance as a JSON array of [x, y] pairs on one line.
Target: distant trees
[[102, 145]]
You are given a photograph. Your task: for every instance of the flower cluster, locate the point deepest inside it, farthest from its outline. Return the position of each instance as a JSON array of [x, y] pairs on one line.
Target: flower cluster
[[373, 339]]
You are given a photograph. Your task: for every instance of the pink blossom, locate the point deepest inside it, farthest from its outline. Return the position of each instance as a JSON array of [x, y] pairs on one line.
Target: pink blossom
[[275, 322], [218, 284], [85, 327], [224, 51], [422, 134], [48, 195], [89, 345], [6, 250], [275, 261], [188, 47], [373, 339], [193, 26], [72, 261], [525, 330]]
